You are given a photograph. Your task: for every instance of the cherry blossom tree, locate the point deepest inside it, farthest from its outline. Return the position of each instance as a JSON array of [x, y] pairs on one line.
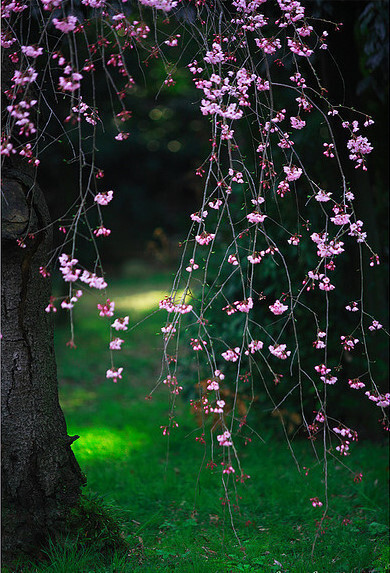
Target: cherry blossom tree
[[254, 64]]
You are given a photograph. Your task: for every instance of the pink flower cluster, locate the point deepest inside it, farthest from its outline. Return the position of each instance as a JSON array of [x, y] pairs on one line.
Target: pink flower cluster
[[316, 502], [106, 309], [356, 384], [115, 374], [231, 355], [104, 197], [168, 305], [244, 305], [253, 346], [279, 350], [197, 344], [278, 307], [381, 400], [116, 344], [192, 266], [257, 256], [204, 238], [349, 342], [172, 383], [225, 439], [256, 217], [120, 323], [69, 303], [375, 325]]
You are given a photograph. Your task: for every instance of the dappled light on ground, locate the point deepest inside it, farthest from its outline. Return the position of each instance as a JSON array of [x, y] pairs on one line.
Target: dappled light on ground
[[143, 301], [107, 443]]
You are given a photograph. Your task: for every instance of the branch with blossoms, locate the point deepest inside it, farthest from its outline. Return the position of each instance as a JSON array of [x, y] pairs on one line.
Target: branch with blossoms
[[262, 205]]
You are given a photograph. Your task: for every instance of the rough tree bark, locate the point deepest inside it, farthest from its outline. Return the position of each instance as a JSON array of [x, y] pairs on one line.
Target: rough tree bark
[[41, 479]]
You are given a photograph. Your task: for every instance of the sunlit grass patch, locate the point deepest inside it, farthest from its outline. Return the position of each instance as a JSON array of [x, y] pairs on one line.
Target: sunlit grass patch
[[109, 443]]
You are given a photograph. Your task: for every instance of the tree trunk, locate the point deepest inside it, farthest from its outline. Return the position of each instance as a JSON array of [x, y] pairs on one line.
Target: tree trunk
[[41, 479]]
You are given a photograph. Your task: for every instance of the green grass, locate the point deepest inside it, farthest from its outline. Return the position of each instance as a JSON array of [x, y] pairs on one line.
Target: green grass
[[158, 496]]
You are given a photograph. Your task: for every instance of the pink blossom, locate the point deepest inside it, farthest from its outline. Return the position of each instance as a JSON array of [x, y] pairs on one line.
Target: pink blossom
[[356, 384], [31, 51], [375, 325], [50, 307], [219, 408], [229, 469], [231, 355], [102, 231], [381, 400], [94, 3], [256, 258], [348, 342], [292, 172], [279, 350], [320, 417], [197, 217], [213, 385], [106, 309], [67, 264], [268, 45], [168, 330], [256, 217], [50, 4], [23, 78], [236, 176], [215, 204], [328, 379], [283, 188], [204, 238], [71, 83], [172, 41], [215, 55], [316, 502], [65, 25], [197, 344], [340, 219], [294, 240], [262, 85], [244, 305], [116, 343], [322, 369], [183, 308], [229, 309], [343, 448], [192, 266], [172, 383], [322, 196], [299, 48], [224, 439], [278, 308], [325, 284], [352, 307], [120, 323], [122, 135], [253, 346], [114, 373], [104, 198], [232, 259], [355, 230], [44, 272], [297, 122]]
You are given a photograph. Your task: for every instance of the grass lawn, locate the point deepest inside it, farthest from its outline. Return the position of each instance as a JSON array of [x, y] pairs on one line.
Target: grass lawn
[[157, 494]]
